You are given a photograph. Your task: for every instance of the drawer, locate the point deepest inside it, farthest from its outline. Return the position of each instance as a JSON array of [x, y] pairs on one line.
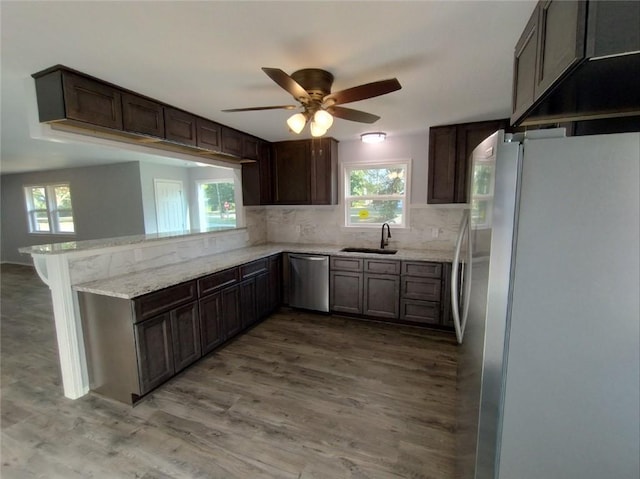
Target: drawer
[[426, 289], [340, 263], [422, 268], [381, 266], [425, 312], [157, 302], [217, 280], [255, 267]]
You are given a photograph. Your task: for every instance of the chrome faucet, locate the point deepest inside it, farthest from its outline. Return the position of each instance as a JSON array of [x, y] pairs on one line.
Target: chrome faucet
[[384, 243]]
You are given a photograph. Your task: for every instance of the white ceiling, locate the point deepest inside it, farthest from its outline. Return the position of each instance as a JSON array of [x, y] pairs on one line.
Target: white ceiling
[[453, 59]]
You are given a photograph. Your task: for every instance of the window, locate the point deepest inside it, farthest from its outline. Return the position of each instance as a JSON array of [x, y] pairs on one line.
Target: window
[[49, 209], [482, 194], [216, 204], [376, 193]]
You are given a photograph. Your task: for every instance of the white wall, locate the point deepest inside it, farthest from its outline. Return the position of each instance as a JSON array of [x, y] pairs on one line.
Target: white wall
[[106, 203]]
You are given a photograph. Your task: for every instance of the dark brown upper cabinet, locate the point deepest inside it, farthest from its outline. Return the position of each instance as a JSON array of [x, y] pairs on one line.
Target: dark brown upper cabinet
[[140, 115], [208, 134], [180, 126], [232, 141], [292, 172], [250, 148], [561, 40], [524, 67], [77, 101], [577, 60], [256, 178], [65, 95], [305, 172], [450, 149]]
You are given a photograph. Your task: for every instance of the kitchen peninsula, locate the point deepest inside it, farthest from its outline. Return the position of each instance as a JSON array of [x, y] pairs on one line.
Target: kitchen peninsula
[[131, 267]]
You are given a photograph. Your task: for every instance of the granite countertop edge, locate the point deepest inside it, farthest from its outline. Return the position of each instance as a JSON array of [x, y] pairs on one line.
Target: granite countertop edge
[[132, 285]]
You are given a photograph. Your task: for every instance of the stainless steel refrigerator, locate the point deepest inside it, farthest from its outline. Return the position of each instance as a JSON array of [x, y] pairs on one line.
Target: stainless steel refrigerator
[[548, 314]]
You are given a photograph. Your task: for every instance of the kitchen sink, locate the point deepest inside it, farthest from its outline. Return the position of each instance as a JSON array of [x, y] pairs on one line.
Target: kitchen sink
[[369, 250]]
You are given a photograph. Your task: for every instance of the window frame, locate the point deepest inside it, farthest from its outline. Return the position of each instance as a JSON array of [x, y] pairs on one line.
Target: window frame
[[52, 211], [349, 166]]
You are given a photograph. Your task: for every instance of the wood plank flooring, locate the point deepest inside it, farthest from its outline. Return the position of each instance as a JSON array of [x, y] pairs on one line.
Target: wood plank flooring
[[299, 396]]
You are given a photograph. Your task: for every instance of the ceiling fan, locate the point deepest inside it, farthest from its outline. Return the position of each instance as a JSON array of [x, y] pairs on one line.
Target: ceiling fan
[[311, 87]]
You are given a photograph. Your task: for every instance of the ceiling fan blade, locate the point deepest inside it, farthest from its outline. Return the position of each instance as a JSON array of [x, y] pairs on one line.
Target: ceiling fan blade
[[279, 107], [362, 92], [352, 115], [288, 83]]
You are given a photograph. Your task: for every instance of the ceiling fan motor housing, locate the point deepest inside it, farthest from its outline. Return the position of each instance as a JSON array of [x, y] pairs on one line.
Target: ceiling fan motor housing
[[317, 82]]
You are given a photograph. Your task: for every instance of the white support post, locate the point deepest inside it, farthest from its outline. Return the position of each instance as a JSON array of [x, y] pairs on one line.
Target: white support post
[[73, 364]]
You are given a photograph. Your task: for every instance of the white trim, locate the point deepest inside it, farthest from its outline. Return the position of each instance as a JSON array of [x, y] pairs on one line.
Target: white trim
[[73, 363]]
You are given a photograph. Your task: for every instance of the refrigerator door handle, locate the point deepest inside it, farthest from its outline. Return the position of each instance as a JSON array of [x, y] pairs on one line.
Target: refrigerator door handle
[[458, 322]]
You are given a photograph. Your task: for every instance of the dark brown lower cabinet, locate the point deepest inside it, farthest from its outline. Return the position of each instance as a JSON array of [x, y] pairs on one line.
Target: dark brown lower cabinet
[[381, 295], [426, 312], [275, 282], [185, 333], [166, 344], [345, 292], [155, 351], [134, 345], [220, 317], [248, 315], [262, 295]]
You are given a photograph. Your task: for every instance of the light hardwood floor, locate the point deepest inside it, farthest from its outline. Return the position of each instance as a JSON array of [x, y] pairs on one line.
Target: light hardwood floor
[[299, 396]]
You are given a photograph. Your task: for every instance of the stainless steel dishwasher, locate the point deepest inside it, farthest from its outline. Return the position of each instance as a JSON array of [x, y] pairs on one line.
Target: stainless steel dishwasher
[[309, 282]]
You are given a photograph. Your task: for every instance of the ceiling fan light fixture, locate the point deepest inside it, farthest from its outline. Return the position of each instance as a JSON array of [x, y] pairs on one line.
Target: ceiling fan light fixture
[[316, 130], [373, 137], [296, 122], [323, 119]]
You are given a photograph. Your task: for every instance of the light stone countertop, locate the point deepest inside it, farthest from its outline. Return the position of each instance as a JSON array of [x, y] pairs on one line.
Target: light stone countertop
[[86, 245], [136, 284]]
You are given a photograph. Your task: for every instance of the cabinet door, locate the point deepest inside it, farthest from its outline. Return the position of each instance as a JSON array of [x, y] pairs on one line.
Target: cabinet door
[[91, 101], [442, 165], [324, 154], [381, 295], [208, 135], [560, 41], [180, 126], [211, 333], [248, 314], [185, 332], [345, 291], [275, 282], [231, 142], [262, 294], [468, 136], [292, 172], [140, 115], [250, 148], [256, 179], [231, 320], [524, 68], [154, 347]]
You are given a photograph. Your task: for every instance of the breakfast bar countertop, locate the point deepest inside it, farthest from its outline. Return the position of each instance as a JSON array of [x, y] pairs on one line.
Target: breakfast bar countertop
[[132, 285]]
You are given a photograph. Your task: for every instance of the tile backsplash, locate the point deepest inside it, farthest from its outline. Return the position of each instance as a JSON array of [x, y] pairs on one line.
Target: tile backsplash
[[430, 227]]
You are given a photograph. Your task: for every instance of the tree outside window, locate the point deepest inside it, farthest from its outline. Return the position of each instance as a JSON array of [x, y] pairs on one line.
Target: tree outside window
[[376, 194], [216, 204]]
